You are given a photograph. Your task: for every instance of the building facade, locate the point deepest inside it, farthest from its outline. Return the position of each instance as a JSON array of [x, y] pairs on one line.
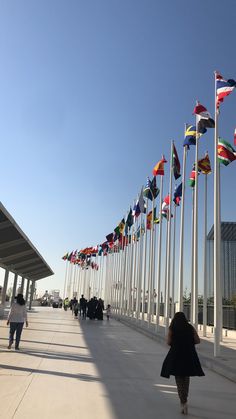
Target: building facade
[[228, 261]]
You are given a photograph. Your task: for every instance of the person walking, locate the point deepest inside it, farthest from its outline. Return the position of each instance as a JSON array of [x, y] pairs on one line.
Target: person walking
[[16, 317], [108, 311], [182, 360]]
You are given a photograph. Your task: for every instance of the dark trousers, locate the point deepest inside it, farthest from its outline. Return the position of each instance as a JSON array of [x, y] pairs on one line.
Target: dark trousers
[[183, 388], [15, 327]]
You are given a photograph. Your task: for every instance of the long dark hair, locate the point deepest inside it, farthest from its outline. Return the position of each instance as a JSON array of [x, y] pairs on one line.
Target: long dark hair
[[20, 299], [179, 322]]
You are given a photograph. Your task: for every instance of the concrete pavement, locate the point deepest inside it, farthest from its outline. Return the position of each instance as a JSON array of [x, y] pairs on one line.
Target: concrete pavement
[[106, 370]]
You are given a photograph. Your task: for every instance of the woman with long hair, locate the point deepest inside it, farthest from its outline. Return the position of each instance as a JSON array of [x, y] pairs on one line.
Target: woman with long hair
[[17, 316], [182, 360]]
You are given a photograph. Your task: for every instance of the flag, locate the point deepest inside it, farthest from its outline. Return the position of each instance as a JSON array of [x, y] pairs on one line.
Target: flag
[[109, 237], [177, 194], [136, 209], [175, 163], [204, 165], [151, 218], [141, 202], [235, 136], [226, 153], [65, 257], [223, 88], [190, 135], [122, 226], [204, 119], [192, 177], [154, 189], [167, 200], [129, 221], [147, 190], [159, 168]]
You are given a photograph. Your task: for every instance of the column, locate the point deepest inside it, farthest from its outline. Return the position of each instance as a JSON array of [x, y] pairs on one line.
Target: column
[[31, 294], [14, 288], [27, 291], [4, 289]]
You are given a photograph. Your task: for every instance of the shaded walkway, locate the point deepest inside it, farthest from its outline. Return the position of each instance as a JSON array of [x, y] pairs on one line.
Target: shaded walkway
[[97, 370]]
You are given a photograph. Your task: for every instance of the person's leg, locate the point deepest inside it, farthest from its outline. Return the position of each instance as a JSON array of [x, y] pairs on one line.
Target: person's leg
[[183, 389], [11, 333], [18, 334]]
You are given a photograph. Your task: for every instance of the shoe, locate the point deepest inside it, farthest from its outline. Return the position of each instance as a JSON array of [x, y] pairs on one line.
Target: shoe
[[9, 346], [185, 408], [17, 348]]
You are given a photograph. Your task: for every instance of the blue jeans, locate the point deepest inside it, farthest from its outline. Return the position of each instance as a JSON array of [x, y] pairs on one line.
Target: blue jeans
[[15, 327]]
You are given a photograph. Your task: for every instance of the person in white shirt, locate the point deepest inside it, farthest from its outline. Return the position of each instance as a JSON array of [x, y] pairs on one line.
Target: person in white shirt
[[17, 316]]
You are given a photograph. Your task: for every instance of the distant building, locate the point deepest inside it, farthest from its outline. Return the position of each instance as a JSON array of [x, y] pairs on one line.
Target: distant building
[[228, 260]]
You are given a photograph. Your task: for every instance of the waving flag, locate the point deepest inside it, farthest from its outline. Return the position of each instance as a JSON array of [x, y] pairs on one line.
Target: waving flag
[[177, 194], [223, 88], [159, 168], [226, 153], [204, 119], [192, 178], [175, 163], [190, 135], [204, 165]]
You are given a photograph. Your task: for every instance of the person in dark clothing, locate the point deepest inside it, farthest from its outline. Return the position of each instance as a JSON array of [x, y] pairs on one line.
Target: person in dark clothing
[[99, 309], [182, 360], [74, 304], [82, 306], [91, 309]]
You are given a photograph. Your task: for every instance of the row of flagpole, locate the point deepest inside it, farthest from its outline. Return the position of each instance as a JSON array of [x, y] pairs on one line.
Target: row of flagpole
[[133, 268]]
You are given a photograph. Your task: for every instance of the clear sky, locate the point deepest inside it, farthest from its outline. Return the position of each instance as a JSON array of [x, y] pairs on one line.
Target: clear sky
[[92, 92]]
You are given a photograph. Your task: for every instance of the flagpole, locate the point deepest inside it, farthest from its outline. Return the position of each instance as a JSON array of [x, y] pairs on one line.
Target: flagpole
[[159, 258], [140, 261], [173, 267], [144, 273], [192, 259], [217, 244], [65, 283], [150, 271], [167, 301], [181, 246], [205, 260], [195, 237]]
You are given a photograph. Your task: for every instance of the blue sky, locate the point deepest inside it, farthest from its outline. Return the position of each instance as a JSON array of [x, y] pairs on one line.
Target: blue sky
[[92, 92]]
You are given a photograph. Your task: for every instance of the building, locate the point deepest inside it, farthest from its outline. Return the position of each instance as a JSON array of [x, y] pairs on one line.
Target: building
[[228, 260]]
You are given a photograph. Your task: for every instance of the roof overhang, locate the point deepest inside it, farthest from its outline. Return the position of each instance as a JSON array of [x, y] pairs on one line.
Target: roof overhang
[[17, 253]]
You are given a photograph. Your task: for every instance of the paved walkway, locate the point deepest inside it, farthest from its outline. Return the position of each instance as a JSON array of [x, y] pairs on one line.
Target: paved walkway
[[97, 370]]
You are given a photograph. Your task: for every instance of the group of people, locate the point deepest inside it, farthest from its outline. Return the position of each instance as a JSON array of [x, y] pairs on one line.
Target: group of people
[[181, 361], [93, 309]]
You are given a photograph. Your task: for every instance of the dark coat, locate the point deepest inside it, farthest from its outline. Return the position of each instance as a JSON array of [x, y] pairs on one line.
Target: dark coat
[[182, 359]]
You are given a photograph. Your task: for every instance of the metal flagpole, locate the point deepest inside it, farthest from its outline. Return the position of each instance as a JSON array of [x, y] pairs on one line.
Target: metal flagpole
[[195, 240], [205, 260], [192, 259], [139, 269], [181, 246], [217, 244], [167, 301], [173, 268], [144, 273], [150, 271], [159, 257], [65, 283]]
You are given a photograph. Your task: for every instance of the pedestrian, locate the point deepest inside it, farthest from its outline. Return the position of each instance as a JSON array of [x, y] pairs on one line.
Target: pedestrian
[[108, 311], [16, 317], [66, 303], [182, 360], [82, 306]]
